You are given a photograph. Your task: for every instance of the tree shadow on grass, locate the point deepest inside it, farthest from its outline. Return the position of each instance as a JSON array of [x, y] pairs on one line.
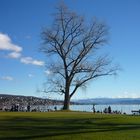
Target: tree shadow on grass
[[26, 128]]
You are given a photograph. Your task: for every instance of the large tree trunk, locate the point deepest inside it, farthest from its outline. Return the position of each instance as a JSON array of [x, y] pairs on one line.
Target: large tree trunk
[[66, 99], [66, 103]]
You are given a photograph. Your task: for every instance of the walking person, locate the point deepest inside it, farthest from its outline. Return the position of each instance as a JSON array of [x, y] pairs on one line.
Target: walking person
[[93, 108]]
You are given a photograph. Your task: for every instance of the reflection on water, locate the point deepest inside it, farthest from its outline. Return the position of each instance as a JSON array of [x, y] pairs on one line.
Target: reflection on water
[[88, 108]]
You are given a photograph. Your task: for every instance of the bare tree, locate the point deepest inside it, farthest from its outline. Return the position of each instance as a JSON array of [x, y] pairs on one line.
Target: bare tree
[[72, 46]]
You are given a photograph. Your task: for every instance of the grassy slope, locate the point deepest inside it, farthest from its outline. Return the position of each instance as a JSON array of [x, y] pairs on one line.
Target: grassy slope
[[68, 126]]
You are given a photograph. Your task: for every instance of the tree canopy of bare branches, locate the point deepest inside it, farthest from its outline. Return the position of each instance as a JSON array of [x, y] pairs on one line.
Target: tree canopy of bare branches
[[71, 46]]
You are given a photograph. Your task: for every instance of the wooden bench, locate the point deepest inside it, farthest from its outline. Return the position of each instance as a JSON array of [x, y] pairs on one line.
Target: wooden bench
[[136, 112]]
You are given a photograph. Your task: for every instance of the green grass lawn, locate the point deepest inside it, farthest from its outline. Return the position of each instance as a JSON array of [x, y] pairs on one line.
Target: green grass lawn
[[68, 126]]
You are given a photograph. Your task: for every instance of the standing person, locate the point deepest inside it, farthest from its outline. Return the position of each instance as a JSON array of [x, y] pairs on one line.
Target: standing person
[[55, 108], [93, 108], [28, 108], [109, 109]]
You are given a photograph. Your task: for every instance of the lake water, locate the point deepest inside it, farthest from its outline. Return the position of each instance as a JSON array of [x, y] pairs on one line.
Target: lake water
[[88, 108]]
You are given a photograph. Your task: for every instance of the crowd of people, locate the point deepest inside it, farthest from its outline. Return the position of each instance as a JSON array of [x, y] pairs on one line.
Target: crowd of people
[[29, 108], [26, 108], [16, 108], [21, 103], [106, 110]]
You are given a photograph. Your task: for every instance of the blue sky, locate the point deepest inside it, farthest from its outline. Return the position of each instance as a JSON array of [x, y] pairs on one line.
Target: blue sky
[[22, 68]]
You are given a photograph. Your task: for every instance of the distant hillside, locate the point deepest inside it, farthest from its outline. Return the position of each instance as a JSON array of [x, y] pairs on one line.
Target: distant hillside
[[110, 101], [9, 100]]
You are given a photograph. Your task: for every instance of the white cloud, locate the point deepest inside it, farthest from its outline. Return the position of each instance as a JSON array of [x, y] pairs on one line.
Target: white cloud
[[30, 60], [14, 55], [30, 75], [47, 72], [128, 95], [15, 51], [8, 78], [7, 45]]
